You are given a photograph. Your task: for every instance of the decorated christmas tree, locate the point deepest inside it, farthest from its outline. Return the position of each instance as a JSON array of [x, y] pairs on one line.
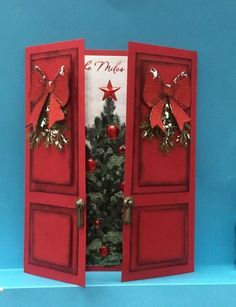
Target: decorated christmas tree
[[105, 174]]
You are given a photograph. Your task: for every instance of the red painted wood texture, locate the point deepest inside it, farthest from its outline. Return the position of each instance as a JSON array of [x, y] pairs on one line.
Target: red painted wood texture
[[54, 246], [160, 239]]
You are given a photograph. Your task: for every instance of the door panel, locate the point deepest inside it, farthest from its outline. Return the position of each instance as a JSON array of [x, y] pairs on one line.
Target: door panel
[[159, 240], [159, 236], [55, 180], [52, 233], [153, 171], [51, 170]]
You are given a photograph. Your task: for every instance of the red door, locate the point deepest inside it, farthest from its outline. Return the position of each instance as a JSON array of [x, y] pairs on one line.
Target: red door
[[55, 221], [158, 240]]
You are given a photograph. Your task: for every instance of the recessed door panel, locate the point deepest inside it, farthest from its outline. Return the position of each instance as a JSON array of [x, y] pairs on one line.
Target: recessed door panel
[[53, 237]]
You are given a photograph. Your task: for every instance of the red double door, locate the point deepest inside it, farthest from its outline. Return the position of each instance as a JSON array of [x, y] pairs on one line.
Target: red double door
[[160, 238]]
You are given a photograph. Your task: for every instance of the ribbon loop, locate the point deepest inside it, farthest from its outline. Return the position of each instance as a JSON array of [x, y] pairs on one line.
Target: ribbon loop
[[57, 90]]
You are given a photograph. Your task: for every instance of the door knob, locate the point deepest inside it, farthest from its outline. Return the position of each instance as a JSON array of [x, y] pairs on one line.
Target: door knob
[[128, 204], [80, 208]]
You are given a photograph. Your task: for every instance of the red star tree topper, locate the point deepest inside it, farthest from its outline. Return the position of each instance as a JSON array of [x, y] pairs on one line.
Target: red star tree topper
[[109, 91]]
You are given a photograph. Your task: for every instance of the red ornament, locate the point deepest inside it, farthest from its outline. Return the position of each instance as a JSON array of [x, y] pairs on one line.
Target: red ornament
[[112, 131], [121, 149], [97, 223], [104, 251], [58, 91], [122, 186], [91, 165], [178, 93], [109, 91]]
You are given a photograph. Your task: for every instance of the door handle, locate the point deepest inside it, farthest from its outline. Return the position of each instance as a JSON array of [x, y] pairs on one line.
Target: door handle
[[128, 204], [80, 212]]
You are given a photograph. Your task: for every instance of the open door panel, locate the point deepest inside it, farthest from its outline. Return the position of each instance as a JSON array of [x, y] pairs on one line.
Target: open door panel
[[159, 240], [55, 217]]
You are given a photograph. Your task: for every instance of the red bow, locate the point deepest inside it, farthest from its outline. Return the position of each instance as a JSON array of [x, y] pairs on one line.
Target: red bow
[[41, 87], [178, 93]]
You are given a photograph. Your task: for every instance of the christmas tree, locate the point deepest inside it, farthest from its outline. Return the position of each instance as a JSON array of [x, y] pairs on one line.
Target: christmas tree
[[105, 174]]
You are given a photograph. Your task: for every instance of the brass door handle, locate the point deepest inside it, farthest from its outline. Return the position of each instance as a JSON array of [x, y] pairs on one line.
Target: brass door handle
[[128, 204], [80, 208]]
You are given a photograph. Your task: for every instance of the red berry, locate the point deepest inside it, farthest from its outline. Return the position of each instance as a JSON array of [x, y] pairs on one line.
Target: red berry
[[112, 131], [121, 149], [91, 165], [104, 251], [97, 223]]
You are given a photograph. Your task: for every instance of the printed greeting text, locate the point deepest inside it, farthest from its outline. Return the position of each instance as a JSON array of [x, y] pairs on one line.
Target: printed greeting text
[[104, 66]]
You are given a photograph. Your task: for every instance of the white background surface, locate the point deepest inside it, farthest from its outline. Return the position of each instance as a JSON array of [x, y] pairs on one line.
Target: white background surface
[[100, 69]]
